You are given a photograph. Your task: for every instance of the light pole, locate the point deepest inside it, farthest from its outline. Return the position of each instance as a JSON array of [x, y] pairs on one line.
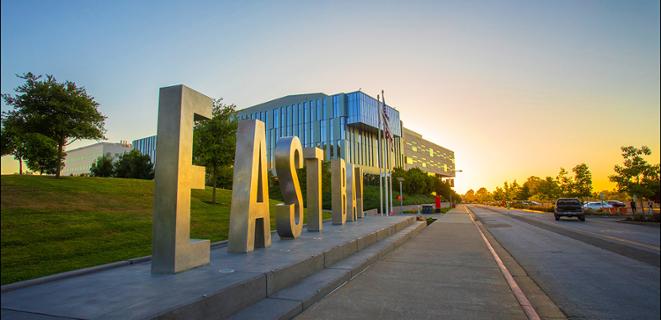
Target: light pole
[[401, 196]]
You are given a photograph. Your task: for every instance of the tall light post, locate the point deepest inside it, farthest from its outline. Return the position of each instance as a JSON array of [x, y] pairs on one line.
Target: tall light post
[[401, 195]]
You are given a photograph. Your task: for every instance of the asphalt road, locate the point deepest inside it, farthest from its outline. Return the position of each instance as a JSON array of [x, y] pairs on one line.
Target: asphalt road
[[598, 269]]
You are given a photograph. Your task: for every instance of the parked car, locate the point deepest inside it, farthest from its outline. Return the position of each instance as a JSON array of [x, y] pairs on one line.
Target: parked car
[[616, 203], [597, 206], [568, 207]]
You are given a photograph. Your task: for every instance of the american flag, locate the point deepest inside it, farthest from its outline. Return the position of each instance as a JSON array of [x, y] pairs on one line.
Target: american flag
[[386, 118]]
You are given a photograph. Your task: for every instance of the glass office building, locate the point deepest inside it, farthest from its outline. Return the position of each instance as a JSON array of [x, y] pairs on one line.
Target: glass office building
[[146, 146], [427, 156], [344, 125]]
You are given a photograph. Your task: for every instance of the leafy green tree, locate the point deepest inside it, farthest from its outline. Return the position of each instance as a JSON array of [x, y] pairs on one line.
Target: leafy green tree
[[483, 195], [582, 182], [134, 164], [565, 183], [636, 176], [499, 194], [63, 111], [470, 195], [41, 153], [102, 167], [214, 141], [529, 188], [548, 190], [13, 140]]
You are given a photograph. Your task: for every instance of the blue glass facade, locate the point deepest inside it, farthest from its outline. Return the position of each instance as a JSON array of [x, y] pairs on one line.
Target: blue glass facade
[[343, 125], [146, 146]]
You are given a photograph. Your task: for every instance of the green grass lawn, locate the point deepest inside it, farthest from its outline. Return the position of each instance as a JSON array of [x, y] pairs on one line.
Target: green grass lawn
[[54, 225]]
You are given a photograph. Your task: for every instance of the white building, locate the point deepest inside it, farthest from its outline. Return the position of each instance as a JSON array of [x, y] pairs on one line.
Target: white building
[[78, 161]]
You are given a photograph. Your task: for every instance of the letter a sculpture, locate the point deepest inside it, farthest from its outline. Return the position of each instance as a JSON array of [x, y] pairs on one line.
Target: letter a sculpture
[[172, 249], [249, 215]]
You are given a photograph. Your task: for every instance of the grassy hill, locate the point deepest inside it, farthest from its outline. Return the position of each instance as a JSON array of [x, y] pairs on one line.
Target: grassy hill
[[54, 225]]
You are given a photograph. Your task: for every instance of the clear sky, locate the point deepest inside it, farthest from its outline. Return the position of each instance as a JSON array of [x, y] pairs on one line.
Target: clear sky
[[515, 88]]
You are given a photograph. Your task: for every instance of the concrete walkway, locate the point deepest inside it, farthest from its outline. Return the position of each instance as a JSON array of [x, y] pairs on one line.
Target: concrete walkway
[[445, 272]]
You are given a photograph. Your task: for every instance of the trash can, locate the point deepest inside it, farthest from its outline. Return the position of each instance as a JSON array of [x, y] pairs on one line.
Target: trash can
[[427, 208]]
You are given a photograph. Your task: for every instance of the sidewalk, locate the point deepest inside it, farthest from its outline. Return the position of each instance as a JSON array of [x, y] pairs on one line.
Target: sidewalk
[[444, 272]]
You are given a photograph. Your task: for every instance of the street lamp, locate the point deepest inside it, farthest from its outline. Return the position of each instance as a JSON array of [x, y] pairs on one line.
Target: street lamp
[[401, 196]]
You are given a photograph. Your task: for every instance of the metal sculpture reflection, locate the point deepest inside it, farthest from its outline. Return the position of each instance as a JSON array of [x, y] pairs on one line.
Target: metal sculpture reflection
[[313, 160], [172, 249], [339, 192], [358, 177], [249, 215], [289, 215], [352, 215]]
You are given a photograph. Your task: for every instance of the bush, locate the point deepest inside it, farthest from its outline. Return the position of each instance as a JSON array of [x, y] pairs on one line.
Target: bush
[[134, 164], [102, 167]]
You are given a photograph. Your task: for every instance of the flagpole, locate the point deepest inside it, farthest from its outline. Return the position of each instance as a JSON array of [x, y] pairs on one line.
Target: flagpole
[[389, 160], [385, 154], [392, 165], [380, 157]]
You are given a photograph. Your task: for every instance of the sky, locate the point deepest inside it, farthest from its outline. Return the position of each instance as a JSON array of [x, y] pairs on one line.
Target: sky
[[515, 88]]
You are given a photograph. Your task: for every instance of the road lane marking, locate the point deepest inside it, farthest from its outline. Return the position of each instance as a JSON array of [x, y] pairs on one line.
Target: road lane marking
[[633, 252], [599, 235], [527, 307]]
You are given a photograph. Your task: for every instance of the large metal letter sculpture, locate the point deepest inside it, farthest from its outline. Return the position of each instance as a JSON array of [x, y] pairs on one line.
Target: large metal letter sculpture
[[289, 215], [172, 249], [339, 193], [352, 215], [250, 224], [358, 177], [313, 160]]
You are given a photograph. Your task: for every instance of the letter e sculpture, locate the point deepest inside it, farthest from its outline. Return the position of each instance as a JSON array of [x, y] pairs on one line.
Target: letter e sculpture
[[172, 249]]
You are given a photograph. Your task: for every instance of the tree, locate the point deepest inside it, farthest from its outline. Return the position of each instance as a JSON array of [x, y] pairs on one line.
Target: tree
[[636, 176], [214, 141], [134, 164], [41, 153], [582, 185], [483, 195], [499, 194], [470, 196], [565, 183], [547, 190], [13, 140], [102, 167], [529, 188], [63, 112]]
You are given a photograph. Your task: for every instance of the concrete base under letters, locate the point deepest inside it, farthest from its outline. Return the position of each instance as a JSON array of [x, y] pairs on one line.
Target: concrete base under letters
[[230, 283]]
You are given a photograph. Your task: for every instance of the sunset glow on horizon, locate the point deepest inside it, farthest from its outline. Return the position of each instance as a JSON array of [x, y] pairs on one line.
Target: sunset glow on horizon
[[514, 88]]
